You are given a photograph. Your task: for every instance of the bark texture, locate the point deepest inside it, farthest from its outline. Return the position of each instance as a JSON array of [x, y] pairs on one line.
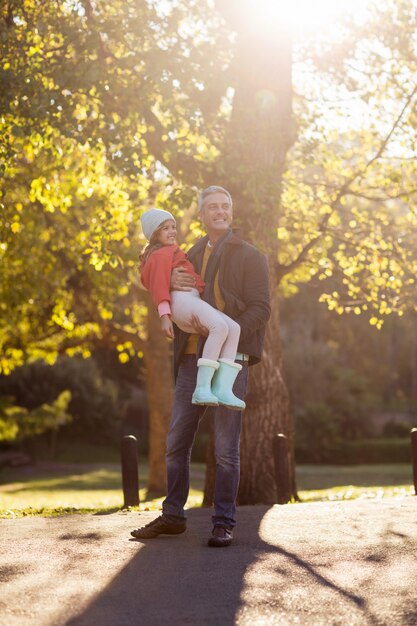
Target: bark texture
[[159, 385], [267, 414]]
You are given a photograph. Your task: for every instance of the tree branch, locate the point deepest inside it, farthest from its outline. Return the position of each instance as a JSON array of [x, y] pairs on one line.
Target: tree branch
[[8, 18], [396, 196], [281, 270], [391, 132]]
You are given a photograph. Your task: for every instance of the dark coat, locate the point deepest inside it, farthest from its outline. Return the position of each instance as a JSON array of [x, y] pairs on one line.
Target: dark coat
[[244, 284]]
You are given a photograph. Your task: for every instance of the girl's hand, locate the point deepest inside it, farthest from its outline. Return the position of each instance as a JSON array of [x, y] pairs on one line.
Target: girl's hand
[[167, 326]]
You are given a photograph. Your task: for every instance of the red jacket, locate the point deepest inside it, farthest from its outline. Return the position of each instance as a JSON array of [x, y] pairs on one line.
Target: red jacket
[[156, 272]]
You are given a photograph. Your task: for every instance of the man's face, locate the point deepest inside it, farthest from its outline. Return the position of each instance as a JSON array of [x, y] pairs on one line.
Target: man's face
[[216, 213]]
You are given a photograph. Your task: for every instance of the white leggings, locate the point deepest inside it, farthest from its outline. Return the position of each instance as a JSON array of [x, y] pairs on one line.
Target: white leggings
[[224, 333]]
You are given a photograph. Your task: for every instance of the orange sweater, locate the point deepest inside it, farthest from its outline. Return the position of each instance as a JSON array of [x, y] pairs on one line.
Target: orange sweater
[[156, 272]]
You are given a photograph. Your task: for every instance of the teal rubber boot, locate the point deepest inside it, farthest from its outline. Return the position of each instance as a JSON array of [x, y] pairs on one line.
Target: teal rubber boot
[[223, 385], [202, 393]]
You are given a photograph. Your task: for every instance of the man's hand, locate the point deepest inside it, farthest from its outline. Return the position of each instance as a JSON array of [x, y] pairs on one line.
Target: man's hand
[[181, 280], [198, 327], [167, 327]]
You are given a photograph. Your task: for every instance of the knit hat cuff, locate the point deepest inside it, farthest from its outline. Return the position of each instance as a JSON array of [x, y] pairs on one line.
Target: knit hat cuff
[[151, 220]]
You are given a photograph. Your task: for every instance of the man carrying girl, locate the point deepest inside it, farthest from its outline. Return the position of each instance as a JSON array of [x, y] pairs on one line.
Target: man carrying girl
[[236, 283]]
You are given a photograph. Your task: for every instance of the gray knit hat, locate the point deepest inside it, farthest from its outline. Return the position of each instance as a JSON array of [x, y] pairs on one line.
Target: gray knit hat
[[151, 220]]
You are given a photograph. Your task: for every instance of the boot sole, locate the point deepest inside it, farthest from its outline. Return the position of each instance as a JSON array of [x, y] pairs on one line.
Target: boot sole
[[234, 408], [205, 403], [215, 543], [157, 534]]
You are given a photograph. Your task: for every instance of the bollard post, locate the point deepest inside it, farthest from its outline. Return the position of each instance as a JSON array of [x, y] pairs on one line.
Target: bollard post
[[413, 435], [130, 474], [282, 468]]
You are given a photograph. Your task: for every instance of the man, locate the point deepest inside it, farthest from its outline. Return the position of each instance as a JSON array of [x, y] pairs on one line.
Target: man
[[236, 278]]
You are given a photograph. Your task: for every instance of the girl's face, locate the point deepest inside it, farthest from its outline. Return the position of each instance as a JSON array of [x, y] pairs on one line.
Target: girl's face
[[167, 233]]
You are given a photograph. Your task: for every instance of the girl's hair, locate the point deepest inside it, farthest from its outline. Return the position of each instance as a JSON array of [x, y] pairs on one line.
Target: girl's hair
[[150, 247]]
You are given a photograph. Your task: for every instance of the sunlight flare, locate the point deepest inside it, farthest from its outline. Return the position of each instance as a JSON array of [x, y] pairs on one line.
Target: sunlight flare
[[302, 16]]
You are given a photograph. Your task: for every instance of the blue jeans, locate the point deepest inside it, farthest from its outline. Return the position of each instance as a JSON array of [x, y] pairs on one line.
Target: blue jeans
[[184, 424]]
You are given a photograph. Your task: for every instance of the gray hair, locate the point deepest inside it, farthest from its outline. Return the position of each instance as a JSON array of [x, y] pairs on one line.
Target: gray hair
[[208, 191]]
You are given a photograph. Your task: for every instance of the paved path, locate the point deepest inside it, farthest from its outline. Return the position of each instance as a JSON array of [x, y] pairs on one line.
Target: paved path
[[348, 563]]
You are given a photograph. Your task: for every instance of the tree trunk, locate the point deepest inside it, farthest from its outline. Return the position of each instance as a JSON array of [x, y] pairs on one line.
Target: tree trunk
[[266, 415], [260, 134], [413, 363], [159, 385]]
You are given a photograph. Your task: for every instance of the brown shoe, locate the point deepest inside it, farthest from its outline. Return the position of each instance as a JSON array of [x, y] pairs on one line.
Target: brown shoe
[[159, 526], [220, 537]]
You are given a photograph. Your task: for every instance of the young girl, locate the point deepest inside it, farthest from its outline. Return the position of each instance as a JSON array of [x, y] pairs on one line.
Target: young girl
[[217, 364]]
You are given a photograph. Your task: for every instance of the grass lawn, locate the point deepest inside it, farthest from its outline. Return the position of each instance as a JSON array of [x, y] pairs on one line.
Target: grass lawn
[[347, 482], [58, 488]]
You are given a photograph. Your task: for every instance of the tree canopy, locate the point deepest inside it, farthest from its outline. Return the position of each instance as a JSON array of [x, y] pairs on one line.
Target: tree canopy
[[106, 107]]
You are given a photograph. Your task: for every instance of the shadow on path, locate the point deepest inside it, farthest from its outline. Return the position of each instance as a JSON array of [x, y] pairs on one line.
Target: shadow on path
[[179, 580]]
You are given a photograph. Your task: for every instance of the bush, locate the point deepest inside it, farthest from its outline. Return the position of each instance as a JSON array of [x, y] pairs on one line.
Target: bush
[[377, 451], [349, 399], [96, 405], [361, 452], [396, 429], [318, 432], [18, 423]]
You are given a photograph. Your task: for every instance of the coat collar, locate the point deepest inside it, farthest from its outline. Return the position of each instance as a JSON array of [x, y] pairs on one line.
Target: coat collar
[[235, 239]]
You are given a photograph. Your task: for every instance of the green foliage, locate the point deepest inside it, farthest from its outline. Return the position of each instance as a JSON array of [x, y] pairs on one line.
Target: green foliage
[[396, 429], [108, 108], [362, 451], [340, 375], [348, 397], [319, 433], [96, 405], [9, 415], [377, 451], [349, 187], [355, 371], [68, 249], [324, 378], [18, 423], [135, 77], [77, 170]]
